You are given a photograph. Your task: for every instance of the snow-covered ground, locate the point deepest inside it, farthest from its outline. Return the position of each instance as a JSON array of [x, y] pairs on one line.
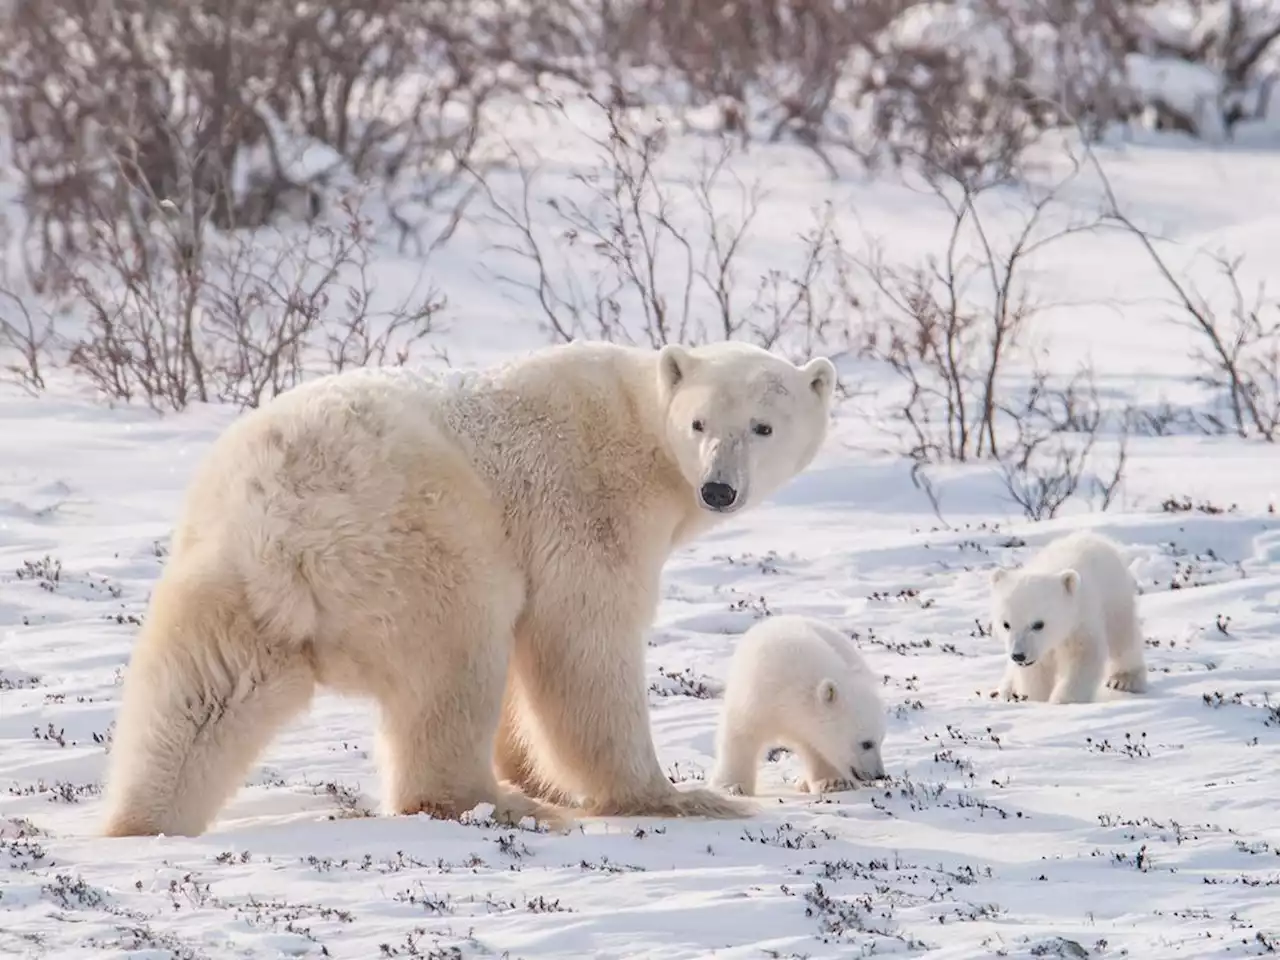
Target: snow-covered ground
[[1143, 826]]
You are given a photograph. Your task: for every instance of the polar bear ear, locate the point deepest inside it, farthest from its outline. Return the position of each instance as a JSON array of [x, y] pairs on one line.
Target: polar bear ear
[[674, 363], [1070, 580], [821, 374], [998, 576], [827, 691]]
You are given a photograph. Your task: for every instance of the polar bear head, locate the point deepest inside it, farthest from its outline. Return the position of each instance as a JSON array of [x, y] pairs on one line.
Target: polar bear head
[[740, 421], [847, 725], [1034, 612]]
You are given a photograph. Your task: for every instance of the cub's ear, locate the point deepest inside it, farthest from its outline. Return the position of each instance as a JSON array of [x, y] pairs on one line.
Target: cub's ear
[[821, 374], [827, 691], [1070, 580], [674, 363]]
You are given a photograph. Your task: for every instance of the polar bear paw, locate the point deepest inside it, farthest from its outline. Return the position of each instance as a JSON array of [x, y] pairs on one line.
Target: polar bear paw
[[831, 785], [1128, 681]]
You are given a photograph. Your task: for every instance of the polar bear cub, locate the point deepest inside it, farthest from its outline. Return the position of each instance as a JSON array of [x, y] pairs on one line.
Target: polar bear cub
[[797, 682], [1069, 620]]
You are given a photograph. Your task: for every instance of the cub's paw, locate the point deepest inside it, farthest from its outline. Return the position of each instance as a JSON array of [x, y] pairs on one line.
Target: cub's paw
[[1128, 681], [1006, 690]]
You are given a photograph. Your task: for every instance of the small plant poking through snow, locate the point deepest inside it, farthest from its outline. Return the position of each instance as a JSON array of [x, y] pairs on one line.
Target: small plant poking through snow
[[685, 683], [46, 572]]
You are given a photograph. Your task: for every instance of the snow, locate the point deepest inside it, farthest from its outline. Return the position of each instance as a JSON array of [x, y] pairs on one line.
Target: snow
[[1144, 826]]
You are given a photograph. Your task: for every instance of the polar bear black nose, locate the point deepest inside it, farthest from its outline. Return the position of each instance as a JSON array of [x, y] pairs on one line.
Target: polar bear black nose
[[717, 496], [1019, 658]]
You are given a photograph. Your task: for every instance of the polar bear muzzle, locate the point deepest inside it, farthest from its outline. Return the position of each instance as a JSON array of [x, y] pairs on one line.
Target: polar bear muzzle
[[717, 496]]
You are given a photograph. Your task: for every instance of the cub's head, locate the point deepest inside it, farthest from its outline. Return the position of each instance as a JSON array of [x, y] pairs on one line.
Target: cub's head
[[1033, 612], [741, 421], [848, 726]]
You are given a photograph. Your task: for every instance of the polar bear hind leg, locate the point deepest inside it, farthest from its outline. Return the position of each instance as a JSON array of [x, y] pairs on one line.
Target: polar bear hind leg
[[201, 701], [738, 755]]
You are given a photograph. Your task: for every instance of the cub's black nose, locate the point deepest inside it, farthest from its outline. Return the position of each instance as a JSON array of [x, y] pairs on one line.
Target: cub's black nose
[[717, 496], [1019, 658]]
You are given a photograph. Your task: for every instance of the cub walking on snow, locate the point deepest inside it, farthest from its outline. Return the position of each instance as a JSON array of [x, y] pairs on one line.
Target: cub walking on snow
[[1069, 620], [798, 682]]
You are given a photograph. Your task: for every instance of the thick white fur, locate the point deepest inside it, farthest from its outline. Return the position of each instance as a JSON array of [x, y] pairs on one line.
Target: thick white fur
[[1071, 611], [798, 682], [408, 540]]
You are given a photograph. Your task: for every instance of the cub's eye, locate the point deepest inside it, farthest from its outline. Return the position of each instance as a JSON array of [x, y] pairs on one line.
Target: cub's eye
[[698, 426], [1005, 624], [867, 744], [1038, 625], [762, 430]]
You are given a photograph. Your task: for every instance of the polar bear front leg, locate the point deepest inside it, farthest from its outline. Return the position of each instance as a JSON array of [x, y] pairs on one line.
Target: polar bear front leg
[[1128, 668], [1036, 682], [582, 673], [738, 753], [1081, 669], [447, 654], [819, 775], [1008, 688]]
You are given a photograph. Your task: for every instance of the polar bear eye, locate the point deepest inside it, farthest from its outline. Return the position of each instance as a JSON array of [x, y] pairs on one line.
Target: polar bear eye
[[698, 426], [1038, 625], [762, 430], [1005, 624], [867, 744]]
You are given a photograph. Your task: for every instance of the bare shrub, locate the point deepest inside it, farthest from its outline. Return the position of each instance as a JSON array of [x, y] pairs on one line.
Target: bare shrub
[[954, 332], [949, 347], [972, 82], [1222, 54], [641, 244], [789, 61], [179, 313], [277, 102], [1054, 457], [26, 341], [1238, 334], [1238, 355], [1002, 72], [240, 110]]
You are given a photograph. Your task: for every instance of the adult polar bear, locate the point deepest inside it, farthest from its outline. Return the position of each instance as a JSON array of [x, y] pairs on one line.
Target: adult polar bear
[[396, 537]]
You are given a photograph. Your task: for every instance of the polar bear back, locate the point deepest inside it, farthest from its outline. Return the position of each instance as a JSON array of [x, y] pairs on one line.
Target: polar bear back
[[780, 661], [1105, 579]]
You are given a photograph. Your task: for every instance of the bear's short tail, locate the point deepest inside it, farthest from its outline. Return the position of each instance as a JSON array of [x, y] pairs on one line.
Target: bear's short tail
[[201, 700]]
